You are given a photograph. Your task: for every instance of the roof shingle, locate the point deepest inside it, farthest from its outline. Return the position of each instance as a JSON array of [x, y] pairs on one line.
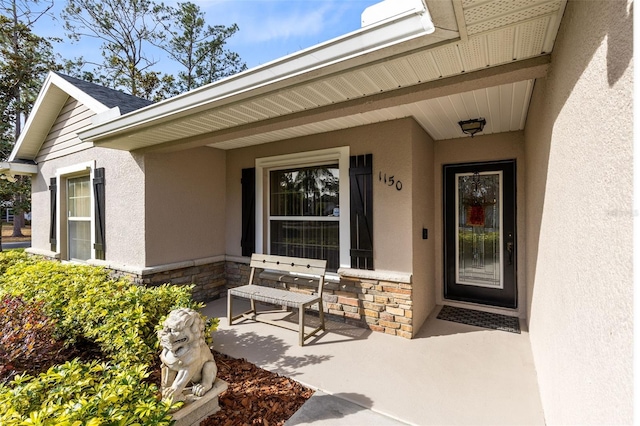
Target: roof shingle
[[109, 97]]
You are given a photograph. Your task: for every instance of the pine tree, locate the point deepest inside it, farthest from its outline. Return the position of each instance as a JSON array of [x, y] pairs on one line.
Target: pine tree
[[25, 59], [199, 48]]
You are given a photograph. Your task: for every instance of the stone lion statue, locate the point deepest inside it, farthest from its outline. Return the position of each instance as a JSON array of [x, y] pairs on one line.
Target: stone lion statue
[[185, 356]]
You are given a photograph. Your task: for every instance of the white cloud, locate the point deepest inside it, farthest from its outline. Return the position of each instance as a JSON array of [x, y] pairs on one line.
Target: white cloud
[[289, 24], [278, 20], [270, 29]]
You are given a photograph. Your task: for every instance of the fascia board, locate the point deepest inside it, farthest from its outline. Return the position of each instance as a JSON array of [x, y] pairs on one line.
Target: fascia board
[[351, 50], [46, 96], [32, 117], [18, 168]]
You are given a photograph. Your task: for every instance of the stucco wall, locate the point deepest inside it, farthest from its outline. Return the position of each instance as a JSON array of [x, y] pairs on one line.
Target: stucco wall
[[423, 217], [579, 223], [185, 199], [502, 146], [124, 189], [391, 146]]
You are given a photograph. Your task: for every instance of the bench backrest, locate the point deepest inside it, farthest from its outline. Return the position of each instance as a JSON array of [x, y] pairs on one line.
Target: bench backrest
[[295, 265], [298, 265]]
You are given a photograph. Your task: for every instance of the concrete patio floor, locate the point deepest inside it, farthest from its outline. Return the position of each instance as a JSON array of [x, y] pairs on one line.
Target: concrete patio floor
[[449, 374]]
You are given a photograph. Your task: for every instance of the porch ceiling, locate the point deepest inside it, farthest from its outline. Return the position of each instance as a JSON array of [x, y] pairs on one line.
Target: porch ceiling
[[504, 107], [488, 34]]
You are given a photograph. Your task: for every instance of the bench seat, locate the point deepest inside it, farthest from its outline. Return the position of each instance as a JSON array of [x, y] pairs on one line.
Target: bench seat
[[274, 296]]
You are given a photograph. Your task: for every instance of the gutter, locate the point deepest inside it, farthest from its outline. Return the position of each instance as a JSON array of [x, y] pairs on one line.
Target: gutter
[[411, 22]]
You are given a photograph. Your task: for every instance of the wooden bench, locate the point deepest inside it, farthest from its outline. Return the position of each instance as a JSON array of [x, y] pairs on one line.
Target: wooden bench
[[301, 270]]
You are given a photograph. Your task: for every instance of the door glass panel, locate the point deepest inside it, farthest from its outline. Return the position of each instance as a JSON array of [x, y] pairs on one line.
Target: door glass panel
[[479, 229]]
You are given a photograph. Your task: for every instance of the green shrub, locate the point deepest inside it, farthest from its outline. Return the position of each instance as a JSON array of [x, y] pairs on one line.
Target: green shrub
[[84, 301], [78, 393], [122, 318], [11, 257]]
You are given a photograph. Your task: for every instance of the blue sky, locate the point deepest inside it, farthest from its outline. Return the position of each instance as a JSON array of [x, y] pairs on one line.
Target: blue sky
[[269, 29]]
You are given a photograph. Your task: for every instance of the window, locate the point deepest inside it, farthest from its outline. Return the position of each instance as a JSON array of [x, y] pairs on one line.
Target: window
[[79, 217], [304, 213], [77, 212]]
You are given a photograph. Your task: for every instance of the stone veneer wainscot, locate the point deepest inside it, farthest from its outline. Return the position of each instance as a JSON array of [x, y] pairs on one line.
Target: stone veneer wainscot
[[207, 276], [383, 304]]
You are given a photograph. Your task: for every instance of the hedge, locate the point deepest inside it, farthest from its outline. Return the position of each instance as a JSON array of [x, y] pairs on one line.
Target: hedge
[[121, 317]]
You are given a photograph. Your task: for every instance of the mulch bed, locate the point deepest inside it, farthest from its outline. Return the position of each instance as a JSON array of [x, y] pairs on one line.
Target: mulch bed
[[255, 396]]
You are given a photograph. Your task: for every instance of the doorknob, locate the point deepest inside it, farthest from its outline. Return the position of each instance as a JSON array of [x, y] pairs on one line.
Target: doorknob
[[510, 249]]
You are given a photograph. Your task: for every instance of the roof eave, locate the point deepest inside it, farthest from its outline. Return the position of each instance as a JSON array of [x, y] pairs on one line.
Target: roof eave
[[348, 50], [35, 125]]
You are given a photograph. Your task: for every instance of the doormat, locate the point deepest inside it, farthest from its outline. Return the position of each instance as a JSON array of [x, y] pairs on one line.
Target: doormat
[[480, 319]]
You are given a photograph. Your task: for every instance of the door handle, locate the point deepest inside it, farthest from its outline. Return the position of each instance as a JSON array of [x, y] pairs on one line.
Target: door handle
[[510, 252]]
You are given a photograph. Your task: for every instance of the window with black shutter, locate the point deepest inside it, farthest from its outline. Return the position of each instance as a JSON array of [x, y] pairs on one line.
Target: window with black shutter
[[99, 203], [248, 242], [301, 208], [361, 188]]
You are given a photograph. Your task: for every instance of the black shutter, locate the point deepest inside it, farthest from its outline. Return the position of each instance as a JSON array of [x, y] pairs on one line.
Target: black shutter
[[248, 242], [361, 188], [99, 200], [53, 225]]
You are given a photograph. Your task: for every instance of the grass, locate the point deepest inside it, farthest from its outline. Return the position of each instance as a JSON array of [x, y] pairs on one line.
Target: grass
[[7, 230]]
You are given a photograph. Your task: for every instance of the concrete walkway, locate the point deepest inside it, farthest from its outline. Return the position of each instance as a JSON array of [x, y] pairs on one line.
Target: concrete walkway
[[450, 374], [325, 410]]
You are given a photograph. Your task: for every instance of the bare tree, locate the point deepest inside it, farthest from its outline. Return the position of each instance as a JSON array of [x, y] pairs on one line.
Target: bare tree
[[126, 28]]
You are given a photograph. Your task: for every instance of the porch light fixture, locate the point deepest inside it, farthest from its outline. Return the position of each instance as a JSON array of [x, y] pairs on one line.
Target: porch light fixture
[[473, 126]]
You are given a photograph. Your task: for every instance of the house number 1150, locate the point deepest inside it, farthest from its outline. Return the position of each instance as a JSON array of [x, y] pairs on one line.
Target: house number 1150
[[390, 181]]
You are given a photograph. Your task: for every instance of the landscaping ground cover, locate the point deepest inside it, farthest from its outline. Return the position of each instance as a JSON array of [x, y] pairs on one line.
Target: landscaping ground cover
[[91, 359], [254, 396]]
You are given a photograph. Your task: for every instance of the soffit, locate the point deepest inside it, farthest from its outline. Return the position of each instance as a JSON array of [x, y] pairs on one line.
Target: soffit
[[504, 107], [492, 33]]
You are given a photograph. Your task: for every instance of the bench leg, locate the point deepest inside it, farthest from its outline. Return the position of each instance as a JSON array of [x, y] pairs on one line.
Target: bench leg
[[229, 305], [301, 331], [321, 313]]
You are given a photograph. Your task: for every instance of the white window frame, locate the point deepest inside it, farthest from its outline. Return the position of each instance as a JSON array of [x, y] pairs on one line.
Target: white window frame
[[304, 159], [62, 175]]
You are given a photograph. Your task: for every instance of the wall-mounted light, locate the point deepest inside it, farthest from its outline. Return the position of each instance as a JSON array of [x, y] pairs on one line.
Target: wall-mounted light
[[473, 126]]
